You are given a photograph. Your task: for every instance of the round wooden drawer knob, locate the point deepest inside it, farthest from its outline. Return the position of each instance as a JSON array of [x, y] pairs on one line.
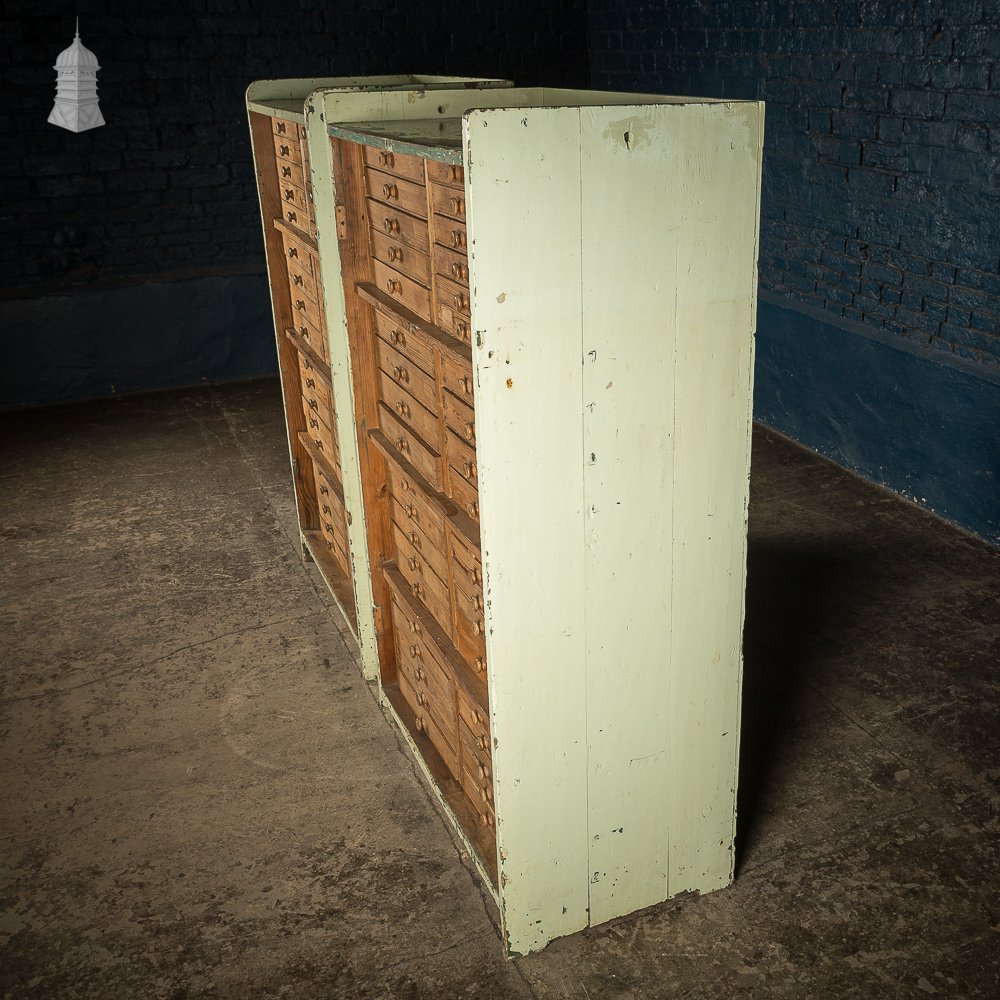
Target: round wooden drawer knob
[[402, 444], [477, 716], [419, 673], [413, 563], [415, 589], [484, 820], [279, 127], [485, 794], [477, 603], [467, 470], [482, 772], [477, 576], [385, 159], [457, 238], [413, 538], [392, 286], [293, 252], [421, 700], [457, 206], [404, 485], [411, 511], [480, 664], [402, 409], [395, 254], [390, 191], [400, 374], [300, 304], [473, 508], [285, 151], [462, 329], [323, 490], [415, 650], [390, 225], [477, 628], [420, 724], [469, 430], [484, 743], [286, 171]]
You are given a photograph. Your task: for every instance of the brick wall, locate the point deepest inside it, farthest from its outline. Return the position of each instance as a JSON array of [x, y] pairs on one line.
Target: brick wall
[[881, 197], [167, 186]]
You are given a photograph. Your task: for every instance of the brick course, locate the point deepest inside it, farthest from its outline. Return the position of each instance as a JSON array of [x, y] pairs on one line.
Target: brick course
[[881, 192]]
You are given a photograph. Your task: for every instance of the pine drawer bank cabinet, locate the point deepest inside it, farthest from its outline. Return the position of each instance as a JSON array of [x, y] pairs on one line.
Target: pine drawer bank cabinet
[[539, 312]]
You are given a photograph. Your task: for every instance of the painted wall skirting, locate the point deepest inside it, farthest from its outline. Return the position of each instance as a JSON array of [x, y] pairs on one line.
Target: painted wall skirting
[[925, 428], [111, 341]]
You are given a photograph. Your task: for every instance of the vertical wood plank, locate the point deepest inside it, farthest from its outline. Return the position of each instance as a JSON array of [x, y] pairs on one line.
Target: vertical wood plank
[[281, 305], [631, 233], [523, 199], [717, 164]]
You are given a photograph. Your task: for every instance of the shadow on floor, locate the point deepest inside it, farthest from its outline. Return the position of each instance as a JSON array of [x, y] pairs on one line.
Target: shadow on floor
[[791, 590]]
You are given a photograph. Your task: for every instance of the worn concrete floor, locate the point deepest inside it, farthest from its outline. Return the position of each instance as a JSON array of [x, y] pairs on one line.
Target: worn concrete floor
[[201, 798]]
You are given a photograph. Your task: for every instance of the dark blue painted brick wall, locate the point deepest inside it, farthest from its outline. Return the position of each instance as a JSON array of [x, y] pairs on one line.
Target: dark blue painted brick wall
[[881, 200], [167, 184]]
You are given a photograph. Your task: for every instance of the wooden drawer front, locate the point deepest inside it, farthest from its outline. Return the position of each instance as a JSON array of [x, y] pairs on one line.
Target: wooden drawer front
[[397, 164], [415, 380], [404, 290], [477, 720], [290, 173], [281, 126], [415, 508], [454, 296], [470, 636], [466, 496], [448, 202], [400, 226], [301, 281], [425, 674], [425, 585], [315, 387], [456, 376], [396, 192], [423, 456], [480, 791], [315, 338], [306, 310], [435, 555], [460, 417], [410, 344], [288, 149], [467, 573], [451, 264], [462, 460], [294, 196], [317, 427], [299, 255], [445, 173], [425, 724], [410, 261], [298, 217], [435, 695], [454, 323], [408, 409], [450, 233]]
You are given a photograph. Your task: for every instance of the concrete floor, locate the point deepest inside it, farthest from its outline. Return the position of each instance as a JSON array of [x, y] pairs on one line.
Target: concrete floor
[[201, 798]]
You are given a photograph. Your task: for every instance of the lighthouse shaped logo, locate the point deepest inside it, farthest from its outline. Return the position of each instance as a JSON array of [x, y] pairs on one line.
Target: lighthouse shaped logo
[[76, 106]]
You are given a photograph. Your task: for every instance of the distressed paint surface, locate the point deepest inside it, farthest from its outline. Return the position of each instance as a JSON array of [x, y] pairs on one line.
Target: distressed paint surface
[[716, 161], [630, 238], [525, 193]]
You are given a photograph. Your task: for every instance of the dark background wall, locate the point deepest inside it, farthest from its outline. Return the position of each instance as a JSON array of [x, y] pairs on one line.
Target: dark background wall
[[879, 325], [131, 255]]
